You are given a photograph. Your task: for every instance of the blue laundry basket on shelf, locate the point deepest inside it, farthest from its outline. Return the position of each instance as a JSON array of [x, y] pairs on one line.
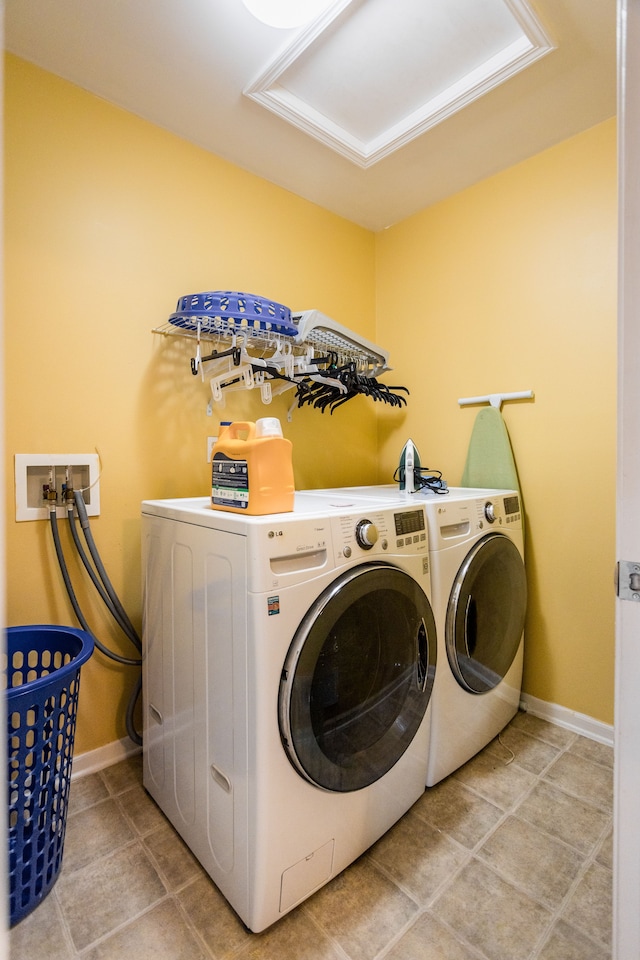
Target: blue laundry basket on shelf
[[42, 681]]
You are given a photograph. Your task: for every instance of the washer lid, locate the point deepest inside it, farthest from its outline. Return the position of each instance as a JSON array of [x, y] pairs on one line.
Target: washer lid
[[358, 677], [486, 613]]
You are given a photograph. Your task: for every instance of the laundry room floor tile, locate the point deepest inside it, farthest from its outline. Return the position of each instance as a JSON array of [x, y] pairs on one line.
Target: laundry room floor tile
[[538, 864], [163, 933], [605, 851], [108, 892], [362, 910], [567, 943], [543, 730], [583, 779], [510, 858], [528, 752], [589, 909], [592, 750], [574, 821], [140, 811], [428, 939], [212, 918], [85, 791], [120, 776], [492, 914], [495, 778], [94, 832], [417, 857], [42, 934], [295, 937], [458, 811], [172, 857]]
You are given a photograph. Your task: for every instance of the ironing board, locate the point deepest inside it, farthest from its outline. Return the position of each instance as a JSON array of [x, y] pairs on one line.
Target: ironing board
[[490, 460]]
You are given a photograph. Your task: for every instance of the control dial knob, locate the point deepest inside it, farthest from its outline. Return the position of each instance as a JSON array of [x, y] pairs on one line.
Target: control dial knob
[[490, 512], [366, 534]]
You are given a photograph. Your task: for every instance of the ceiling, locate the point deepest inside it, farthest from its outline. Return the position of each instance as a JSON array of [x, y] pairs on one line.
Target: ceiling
[[374, 111]]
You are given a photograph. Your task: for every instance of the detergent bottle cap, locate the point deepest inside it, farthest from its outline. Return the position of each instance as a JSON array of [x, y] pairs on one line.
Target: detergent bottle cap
[[268, 427]]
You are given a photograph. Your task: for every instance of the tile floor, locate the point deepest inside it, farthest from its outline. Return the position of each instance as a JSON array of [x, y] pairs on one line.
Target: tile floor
[[508, 859]]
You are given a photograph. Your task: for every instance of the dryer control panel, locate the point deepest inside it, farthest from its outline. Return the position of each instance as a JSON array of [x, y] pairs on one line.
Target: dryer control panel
[[499, 510], [457, 520]]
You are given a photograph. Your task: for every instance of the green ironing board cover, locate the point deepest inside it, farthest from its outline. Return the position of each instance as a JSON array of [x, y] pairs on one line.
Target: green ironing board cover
[[490, 460]]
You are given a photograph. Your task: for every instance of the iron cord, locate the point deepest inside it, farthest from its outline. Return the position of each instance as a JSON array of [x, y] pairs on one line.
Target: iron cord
[[425, 478]]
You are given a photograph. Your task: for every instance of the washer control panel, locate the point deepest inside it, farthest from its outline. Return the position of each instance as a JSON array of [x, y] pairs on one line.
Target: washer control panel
[[379, 532], [410, 527]]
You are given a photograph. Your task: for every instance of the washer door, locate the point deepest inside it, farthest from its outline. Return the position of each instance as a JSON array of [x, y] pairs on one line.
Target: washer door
[[358, 678], [485, 615]]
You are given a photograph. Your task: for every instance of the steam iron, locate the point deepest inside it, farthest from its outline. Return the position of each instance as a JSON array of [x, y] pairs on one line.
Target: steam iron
[[408, 467]]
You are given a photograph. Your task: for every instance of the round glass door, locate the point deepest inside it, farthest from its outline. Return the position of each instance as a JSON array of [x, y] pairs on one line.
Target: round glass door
[[485, 615], [358, 678]]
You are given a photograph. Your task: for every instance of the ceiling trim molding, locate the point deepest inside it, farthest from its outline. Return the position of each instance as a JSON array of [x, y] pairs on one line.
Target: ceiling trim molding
[[270, 91]]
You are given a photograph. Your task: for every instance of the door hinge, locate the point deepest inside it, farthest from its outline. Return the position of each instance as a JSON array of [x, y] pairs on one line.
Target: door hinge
[[628, 580]]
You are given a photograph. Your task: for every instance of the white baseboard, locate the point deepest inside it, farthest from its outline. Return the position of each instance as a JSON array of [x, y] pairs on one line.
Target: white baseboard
[[570, 719], [94, 760]]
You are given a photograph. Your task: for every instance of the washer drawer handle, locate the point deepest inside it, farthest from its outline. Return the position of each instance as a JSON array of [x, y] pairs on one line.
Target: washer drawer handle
[[220, 778], [155, 714]]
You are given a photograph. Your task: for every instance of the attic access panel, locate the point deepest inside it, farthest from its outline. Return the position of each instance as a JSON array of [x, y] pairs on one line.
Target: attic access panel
[[369, 76]]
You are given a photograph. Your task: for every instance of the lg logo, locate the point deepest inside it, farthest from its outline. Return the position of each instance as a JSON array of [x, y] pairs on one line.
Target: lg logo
[[275, 533]]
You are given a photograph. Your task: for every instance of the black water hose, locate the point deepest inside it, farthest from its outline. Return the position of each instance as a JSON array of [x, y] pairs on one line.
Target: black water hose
[[133, 699], [74, 601], [95, 579], [93, 550], [65, 574], [126, 661]]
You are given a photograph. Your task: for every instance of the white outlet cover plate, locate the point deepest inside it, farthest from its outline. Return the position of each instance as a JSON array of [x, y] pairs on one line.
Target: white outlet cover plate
[[45, 460]]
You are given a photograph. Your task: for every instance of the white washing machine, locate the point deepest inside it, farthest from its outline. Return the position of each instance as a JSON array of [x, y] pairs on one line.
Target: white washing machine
[[479, 594], [289, 662]]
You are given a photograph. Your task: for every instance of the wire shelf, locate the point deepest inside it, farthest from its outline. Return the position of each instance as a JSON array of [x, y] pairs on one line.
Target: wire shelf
[[322, 332], [223, 329], [256, 343], [310, 329]]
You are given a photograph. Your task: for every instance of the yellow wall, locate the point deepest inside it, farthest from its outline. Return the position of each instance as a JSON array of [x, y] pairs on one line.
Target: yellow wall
[[506, 286], [511, 285], [108, 220]]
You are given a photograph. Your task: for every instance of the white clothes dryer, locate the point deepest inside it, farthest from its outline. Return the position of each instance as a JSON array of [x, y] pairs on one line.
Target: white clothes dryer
[[479, 594], [289, 662], [480, 599]]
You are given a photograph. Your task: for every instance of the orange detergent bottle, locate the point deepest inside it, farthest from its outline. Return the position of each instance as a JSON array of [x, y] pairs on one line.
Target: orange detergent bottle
[[252, 469]]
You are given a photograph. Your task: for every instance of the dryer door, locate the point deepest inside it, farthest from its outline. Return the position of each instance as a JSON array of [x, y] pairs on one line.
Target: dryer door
[[358, 677], [485, 615]]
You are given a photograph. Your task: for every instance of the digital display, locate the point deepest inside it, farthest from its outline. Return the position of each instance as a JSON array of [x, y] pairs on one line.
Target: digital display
[[409, 522], [511, 505]]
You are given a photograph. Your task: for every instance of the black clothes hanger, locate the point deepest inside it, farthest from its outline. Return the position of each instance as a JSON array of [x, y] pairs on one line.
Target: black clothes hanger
[[234, 352], [349, 384]]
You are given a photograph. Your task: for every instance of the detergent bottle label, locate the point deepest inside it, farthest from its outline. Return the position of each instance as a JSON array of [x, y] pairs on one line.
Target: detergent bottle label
[[229, 482]]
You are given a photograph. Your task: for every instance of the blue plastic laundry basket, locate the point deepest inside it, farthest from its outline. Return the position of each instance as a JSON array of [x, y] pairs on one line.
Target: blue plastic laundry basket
[[42, 672]]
